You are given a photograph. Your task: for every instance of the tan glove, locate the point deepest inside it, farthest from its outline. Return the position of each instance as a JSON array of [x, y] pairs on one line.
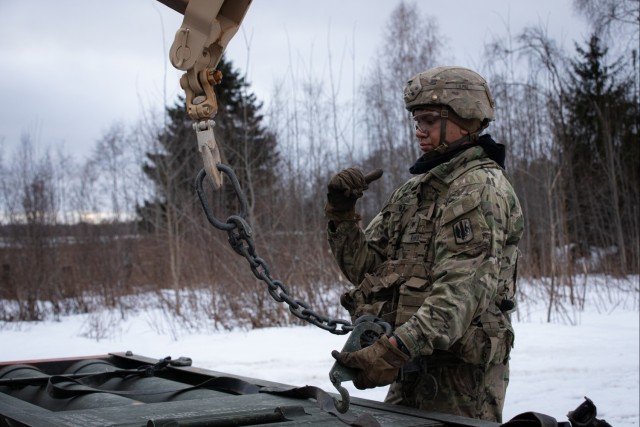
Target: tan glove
[[376, 365], [344, 190]]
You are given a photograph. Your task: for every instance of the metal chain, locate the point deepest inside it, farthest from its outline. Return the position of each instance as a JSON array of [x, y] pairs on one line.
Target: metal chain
[[239, 231]]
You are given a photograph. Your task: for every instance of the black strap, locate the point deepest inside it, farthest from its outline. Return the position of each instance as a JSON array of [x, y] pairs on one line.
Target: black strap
[[58, 386], [326, 403], [534, 419]]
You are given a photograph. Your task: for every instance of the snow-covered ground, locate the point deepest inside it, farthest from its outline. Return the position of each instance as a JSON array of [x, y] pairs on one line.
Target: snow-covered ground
[[593, 352]]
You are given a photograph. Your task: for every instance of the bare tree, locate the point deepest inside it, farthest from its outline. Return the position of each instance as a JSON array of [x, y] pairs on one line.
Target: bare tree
[[412, 43], [613, 19], [32, 208]]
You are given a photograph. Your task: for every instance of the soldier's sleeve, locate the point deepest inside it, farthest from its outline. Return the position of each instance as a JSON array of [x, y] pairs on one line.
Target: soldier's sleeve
[[468, 244], [356, 251]]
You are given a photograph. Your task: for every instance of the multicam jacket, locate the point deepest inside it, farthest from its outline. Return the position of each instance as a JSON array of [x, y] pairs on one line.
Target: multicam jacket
[[439, 260]]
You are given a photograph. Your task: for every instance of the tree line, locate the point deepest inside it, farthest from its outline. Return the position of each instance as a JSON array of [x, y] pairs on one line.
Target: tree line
[[569, 120]]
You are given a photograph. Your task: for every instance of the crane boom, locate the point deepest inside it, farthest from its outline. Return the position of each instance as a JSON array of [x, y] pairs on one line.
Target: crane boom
[[199, 43]]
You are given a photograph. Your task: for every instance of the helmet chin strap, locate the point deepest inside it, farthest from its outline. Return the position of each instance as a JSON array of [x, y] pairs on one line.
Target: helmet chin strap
[[445, 146]]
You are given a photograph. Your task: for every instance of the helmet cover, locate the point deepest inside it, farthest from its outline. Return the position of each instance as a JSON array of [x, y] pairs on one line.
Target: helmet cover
[[464, 91]]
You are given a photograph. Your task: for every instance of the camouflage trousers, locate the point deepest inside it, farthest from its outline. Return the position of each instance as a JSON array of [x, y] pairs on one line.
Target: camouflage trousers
[[459, 389]]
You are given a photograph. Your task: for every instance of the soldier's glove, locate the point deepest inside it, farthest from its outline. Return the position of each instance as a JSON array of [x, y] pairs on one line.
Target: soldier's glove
[[376, 365], [344, 190]]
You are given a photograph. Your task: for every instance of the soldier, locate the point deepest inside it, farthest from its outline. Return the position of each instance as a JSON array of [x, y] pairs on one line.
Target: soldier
[[439, 260]]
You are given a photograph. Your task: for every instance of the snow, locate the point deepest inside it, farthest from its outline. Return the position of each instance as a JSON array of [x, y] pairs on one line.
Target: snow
[[592, 352]]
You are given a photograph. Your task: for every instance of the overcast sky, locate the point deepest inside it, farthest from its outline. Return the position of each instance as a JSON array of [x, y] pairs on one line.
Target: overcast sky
[[69, 69]]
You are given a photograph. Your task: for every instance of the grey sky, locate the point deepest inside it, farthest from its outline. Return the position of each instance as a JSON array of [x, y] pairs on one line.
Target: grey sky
[[71, 68]]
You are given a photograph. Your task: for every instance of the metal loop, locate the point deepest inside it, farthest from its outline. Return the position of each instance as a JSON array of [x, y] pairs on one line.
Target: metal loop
[[275, 295], [241, 224], [293, 304], [213, 220], [261, 269], [244, 205]]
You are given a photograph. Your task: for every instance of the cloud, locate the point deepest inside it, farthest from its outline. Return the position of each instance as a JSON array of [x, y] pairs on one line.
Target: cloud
[[73, 67]]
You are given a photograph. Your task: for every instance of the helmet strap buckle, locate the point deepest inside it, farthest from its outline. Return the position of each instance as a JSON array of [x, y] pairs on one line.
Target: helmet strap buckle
[[444, 116]]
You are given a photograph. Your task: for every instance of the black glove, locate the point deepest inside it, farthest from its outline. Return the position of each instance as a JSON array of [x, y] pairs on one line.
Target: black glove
[[376, 365], [344, 190]]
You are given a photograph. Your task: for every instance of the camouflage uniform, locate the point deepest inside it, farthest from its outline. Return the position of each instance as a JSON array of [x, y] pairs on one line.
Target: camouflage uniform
[[439, 263]]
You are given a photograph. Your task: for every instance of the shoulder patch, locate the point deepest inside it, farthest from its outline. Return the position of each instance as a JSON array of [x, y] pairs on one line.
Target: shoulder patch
[[462, 231]]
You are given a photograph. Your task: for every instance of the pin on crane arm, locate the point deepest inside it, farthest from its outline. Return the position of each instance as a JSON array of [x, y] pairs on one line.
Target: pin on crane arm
[[206, 30]]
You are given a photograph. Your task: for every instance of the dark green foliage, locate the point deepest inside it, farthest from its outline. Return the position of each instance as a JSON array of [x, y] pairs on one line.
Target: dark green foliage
[[599, 105], [246, 142], [246, 146], [601, 157], [171, 167]]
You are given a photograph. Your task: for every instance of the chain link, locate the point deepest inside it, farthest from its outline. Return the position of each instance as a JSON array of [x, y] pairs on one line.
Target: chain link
[[240, 238]]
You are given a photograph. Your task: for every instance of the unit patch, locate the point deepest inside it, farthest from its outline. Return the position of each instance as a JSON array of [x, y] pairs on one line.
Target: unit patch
[[462, 231]]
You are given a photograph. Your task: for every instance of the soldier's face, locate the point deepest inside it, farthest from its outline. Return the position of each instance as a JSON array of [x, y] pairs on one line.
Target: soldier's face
[[428, 127]]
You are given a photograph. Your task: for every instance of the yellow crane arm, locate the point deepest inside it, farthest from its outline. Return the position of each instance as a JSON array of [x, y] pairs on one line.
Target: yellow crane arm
[[206, 30]]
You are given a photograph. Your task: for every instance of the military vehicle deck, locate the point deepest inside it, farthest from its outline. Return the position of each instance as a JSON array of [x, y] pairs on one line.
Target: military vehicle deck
[[143, 392]]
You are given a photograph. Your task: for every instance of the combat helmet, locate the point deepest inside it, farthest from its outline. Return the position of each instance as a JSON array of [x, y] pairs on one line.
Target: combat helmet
[[462, 91]]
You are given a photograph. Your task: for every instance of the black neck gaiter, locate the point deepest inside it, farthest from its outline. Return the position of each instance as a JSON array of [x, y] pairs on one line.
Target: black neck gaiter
[[428, 161]]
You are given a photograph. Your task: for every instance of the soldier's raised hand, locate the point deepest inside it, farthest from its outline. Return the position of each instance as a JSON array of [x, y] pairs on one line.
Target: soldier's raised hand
[[344, 190]]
